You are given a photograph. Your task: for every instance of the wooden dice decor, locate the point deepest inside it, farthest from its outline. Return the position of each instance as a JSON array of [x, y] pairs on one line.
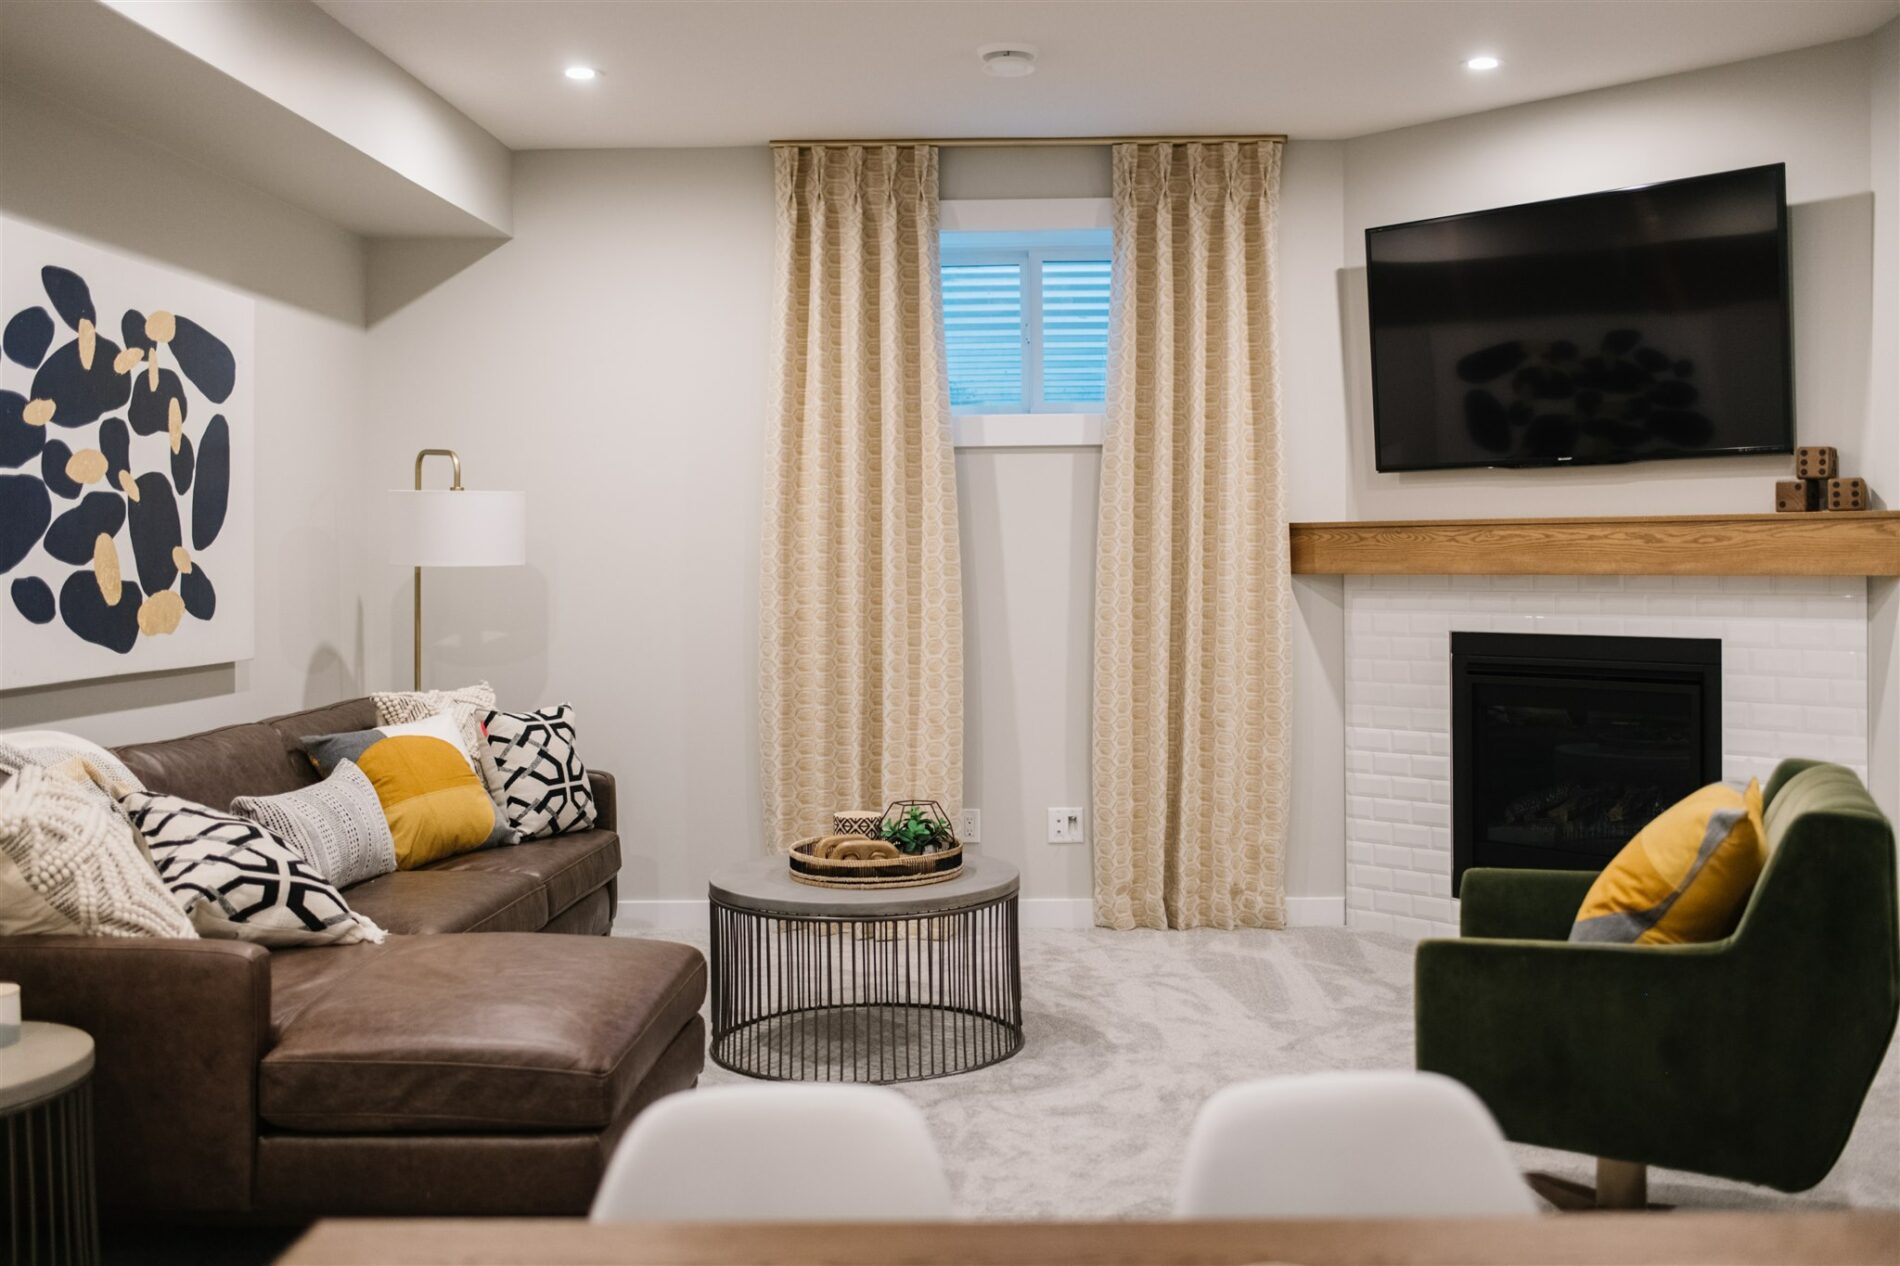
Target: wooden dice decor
[[1817, 462], [1797, 496], [1847, 494]]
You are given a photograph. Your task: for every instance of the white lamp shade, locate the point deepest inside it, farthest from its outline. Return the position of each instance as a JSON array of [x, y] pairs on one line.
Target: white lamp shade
[[440, 527]]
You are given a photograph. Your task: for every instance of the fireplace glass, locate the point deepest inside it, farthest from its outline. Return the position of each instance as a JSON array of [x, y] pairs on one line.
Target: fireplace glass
[[1564, 746]]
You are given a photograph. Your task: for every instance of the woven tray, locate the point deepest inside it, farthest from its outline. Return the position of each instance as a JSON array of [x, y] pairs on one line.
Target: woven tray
[[884, 872]]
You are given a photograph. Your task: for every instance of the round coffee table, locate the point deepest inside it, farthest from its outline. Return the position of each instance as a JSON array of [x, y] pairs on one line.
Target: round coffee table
[[46, 1112], [832, 984]]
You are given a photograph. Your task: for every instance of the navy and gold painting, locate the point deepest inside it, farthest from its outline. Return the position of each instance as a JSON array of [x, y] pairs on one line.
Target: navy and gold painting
[[126, 436]]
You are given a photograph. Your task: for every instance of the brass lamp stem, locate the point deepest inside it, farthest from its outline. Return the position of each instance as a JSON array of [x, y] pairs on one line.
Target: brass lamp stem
[[455, 486]]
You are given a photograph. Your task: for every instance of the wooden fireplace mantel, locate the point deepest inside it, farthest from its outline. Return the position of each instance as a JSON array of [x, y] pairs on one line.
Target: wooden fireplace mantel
[[1864, 543]]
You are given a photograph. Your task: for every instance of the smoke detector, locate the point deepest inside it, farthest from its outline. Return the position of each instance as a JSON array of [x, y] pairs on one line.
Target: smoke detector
[[1008, 61]]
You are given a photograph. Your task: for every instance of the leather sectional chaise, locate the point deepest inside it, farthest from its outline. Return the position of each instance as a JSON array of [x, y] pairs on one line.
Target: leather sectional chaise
[[442, 1072]]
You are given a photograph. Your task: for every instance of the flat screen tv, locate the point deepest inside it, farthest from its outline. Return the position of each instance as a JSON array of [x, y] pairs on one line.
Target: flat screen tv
[[1612, 327]]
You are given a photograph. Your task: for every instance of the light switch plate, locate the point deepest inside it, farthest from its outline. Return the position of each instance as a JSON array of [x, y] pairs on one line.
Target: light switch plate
[[1065, 826]]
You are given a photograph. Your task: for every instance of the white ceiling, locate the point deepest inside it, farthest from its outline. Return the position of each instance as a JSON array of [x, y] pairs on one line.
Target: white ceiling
[[680, 73]]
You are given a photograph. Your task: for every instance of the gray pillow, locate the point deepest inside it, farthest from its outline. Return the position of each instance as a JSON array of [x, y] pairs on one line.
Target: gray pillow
[[337, 826]]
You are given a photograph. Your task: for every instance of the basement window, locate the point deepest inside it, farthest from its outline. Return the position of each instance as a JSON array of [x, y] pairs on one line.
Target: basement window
[[1025, 288]]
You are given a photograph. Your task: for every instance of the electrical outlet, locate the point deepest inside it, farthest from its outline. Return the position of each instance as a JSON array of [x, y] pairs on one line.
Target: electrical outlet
[[970, 828], [1065, 826]]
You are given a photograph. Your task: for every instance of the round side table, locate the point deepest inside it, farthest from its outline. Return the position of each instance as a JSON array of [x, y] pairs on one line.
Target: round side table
[[832, 984], [46, 1109]]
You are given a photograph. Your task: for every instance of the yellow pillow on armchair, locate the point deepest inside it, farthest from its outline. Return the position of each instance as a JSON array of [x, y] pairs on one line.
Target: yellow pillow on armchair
[[1685, 877], [436, 804]]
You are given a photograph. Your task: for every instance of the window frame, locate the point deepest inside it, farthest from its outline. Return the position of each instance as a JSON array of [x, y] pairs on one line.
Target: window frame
[[1045, 424]]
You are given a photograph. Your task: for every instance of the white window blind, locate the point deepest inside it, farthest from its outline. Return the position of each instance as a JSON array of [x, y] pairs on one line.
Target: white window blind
[[1074, 331], [983, 333], [1025, 320]]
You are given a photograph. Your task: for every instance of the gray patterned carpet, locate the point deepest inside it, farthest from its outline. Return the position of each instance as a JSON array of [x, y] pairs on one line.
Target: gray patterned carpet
[[1128, 1032]]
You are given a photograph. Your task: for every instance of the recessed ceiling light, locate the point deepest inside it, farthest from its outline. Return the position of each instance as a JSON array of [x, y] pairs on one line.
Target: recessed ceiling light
[[581, 74], [1484, 61], [1008, 61]]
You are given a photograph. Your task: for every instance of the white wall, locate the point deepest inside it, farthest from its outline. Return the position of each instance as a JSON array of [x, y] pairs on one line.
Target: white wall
[[1027, 521], [1312, 418], [1808, 109], [656, 266], [86, 181], [1026, 518], [610, 360], [293, 53], [1028, 524], [1883, 397], [1815, 110]]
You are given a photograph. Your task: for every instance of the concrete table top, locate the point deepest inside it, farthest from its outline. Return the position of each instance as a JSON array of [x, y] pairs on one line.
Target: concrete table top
[[765, 886]]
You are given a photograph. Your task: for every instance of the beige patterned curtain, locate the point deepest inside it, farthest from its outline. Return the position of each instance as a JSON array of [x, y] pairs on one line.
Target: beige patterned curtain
[[861, 609], [1192, 589]]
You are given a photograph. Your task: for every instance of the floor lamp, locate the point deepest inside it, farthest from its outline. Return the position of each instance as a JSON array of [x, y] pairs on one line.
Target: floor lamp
[[454, 527]]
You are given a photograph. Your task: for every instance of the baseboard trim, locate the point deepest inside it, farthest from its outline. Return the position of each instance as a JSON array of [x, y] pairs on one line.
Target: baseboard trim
[[1316, 912], [660, 916], [1035, 912]]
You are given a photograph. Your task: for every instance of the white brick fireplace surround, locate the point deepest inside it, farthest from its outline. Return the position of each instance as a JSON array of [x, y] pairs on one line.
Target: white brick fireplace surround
[[1794, 683]]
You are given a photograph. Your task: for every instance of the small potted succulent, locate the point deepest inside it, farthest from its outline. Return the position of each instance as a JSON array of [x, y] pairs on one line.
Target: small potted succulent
[[917, 827]]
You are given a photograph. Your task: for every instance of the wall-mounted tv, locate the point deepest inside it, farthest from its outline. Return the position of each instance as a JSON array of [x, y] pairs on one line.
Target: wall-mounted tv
[[1612, 327]]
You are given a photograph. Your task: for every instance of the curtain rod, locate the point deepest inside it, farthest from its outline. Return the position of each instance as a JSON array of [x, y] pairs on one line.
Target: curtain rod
[[997, 142]]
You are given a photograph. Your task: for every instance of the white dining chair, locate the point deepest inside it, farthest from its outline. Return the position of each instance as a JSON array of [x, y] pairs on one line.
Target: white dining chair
[[778, 1152], [1348, 1144]]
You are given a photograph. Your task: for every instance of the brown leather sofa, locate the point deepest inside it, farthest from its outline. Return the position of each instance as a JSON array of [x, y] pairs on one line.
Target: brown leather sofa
[[437, 1073]]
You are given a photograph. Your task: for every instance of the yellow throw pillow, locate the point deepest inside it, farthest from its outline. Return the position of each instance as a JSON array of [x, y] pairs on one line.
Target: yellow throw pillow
[[436, 804], [1685, 877]]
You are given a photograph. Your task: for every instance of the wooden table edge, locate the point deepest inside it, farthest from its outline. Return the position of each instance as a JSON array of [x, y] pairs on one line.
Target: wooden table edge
[[1807, 1238]]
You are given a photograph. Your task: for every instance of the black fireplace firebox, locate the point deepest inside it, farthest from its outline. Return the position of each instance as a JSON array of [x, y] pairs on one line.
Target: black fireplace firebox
[[1563, 746]]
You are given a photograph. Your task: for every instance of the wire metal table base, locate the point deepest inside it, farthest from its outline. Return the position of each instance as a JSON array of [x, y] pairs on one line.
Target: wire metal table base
[[52, 1202], [871, 998]]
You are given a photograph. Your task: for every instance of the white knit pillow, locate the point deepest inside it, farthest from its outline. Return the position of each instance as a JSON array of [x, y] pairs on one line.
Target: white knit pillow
[[70, 865], [337, 825], [47, 748]]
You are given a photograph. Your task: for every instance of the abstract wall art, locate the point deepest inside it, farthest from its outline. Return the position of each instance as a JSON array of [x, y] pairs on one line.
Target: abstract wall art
[[126, 468]]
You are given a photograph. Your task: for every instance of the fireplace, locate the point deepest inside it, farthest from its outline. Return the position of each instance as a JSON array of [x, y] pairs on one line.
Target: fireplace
[[1563, 746]]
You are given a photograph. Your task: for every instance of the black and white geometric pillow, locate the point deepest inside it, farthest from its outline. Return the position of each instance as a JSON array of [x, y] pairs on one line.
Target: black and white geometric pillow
[[238, 881], [542, 787]]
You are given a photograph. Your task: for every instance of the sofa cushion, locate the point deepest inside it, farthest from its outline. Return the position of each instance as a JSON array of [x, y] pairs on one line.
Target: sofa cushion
[[334, 718], [214, 767], [482, 1033], [412, 902], [568, 866], [298, 977]]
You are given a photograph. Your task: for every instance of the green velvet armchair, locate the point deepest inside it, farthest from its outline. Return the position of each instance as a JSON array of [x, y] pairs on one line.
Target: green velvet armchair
[[1746, 1058]]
